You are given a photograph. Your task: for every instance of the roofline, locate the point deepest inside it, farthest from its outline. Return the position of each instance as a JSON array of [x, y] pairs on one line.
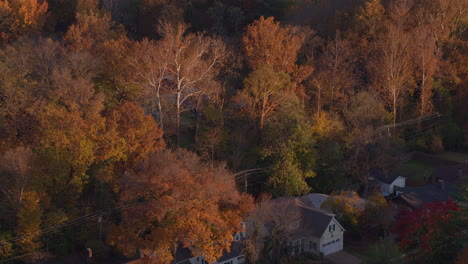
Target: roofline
[[336, 220]]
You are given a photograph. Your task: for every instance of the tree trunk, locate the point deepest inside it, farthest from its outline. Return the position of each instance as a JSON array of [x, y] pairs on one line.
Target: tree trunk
[[178, 119], [394, 109], [160, 109]]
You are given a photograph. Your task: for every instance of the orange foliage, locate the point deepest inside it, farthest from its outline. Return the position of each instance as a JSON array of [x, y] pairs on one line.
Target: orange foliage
[[21, 17], [188, 202]]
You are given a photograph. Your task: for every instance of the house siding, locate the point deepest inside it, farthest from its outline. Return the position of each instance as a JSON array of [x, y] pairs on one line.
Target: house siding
[[333, 241]]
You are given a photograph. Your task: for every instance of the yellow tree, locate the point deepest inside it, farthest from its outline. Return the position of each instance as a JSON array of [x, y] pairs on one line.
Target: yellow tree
[[92, 28], [129, 135], [266, 42], [347, 205], [264, 90], [188, 203], [21, 17]]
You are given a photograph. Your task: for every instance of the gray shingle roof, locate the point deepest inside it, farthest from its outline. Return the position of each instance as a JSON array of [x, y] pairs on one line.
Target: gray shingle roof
[[313, 221], [383, 177], [416, 196]]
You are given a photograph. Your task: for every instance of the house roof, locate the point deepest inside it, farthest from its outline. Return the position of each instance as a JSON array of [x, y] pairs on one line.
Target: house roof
[[416, 196], [383, 177], [236, 250], [454, 174], [313, 221], [316, 199]]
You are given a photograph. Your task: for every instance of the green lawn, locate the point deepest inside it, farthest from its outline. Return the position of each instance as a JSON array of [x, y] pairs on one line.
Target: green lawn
[[415, 171], [453, 156]]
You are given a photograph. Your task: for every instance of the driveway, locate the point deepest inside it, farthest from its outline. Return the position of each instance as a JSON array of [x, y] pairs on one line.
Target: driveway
[[343, 257]]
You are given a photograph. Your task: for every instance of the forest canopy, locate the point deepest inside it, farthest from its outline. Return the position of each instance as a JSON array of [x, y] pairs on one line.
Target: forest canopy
[[192, 108]]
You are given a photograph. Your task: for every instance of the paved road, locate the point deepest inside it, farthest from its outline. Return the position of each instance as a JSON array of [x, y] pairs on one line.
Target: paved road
[[343, 257]]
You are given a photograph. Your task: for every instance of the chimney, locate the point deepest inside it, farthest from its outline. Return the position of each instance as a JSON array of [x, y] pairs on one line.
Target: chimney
[[441, 184]]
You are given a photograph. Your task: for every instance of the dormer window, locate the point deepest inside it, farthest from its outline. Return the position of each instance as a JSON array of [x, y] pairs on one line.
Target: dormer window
[[331, 228], [295, 225]]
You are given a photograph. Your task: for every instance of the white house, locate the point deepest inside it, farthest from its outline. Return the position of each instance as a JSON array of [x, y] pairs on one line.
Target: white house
[[387, 182], [311, 229]]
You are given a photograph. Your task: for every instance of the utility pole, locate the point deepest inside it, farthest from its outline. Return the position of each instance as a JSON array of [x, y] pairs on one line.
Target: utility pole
[[100, 226]]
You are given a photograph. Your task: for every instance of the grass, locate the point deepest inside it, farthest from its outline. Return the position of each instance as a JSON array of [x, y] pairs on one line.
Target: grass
[[453, 156], [415, 172]]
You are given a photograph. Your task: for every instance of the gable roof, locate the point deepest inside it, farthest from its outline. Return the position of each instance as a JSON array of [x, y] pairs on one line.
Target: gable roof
[[416, 196], [383, 177], [236, 250], [313, 221]]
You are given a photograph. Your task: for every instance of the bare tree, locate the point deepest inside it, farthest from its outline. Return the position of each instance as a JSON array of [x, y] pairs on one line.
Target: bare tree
[[148, 59], [272, 222], [192, 61], [426, 58], [391, 64], [16, 172], [335, 76]]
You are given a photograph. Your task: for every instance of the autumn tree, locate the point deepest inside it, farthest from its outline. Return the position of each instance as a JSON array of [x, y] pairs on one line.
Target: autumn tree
[[426, 60], [129, 135], [29, 222], [264, 91], [347, 205], [192, 62], [92, 28], [367, 146], [269, 228], [152, 68], [390, 65], [329, 132], [21, 17], [266, 42], [335, 74], [187, 202], [377, 215], [16, 174], [430, 230]]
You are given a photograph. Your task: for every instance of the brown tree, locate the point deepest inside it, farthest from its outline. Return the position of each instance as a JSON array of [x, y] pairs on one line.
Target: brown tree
[[188, 203], [426, 60], [266, 42], [335, 74]]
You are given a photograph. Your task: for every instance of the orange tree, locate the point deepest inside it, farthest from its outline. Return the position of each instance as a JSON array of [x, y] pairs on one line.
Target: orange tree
[[187, 203]]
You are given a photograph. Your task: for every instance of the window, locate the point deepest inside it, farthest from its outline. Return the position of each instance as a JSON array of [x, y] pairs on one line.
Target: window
[[333, 242], [312, 245], [237, 237], [328, 243], [324, 245], [295, 225], [331, 228]]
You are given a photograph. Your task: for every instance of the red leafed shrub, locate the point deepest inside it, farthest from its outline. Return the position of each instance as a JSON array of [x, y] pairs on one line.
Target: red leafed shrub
[[423, 229]]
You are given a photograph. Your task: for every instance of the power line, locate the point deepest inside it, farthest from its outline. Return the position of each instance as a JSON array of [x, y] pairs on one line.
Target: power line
[[80, 220]]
